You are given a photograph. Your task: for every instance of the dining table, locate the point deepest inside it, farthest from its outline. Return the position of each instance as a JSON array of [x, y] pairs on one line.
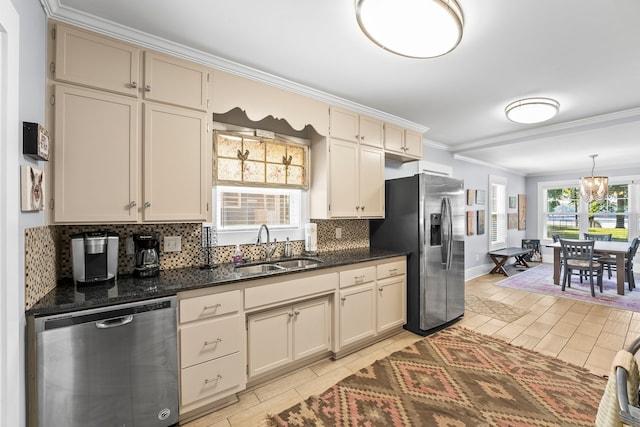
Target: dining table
[[613, 248]]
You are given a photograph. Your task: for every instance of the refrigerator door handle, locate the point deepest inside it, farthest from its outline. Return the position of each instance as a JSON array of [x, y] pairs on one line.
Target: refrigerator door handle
[[447, 233]]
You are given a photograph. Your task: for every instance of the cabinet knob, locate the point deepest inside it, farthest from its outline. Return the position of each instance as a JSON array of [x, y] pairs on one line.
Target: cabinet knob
[[343, 299], [147, 204], [297, 313], [212, 380], [134, 85], [357, 208], [132, 204], [290, 314], [362, 207], [381, 289], [147, 88]]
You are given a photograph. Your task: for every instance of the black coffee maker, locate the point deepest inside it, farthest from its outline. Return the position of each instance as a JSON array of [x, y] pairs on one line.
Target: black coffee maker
[[147, 248]]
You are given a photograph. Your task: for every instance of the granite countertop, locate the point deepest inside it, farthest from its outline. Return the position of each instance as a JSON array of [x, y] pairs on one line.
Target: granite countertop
[[67, 296]]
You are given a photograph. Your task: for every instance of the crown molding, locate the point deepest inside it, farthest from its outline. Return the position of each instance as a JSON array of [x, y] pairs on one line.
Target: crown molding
[[487, 165]]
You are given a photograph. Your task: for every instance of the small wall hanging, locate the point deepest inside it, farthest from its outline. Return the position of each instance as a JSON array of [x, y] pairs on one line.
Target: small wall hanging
[[35, 141], [32, 183]]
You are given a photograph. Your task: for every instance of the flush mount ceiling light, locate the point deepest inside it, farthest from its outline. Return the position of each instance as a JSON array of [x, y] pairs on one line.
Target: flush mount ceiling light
[[594, 187], [412, 28], [532, 110]]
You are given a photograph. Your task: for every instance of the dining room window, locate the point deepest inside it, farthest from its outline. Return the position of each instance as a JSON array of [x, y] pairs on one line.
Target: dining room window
[[611, 216], [498, 212], [562, 212]]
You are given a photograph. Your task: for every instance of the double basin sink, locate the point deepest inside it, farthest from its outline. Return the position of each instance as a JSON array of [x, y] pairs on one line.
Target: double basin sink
[[269, 266]]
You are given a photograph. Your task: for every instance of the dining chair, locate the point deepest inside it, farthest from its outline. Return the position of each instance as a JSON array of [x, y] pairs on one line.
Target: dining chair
[[578, 256], [610, 263]]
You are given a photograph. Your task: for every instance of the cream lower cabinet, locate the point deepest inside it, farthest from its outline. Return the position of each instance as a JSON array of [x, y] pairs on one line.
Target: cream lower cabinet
[[212, 349], [357, 307], [391, 295], [283, 335]]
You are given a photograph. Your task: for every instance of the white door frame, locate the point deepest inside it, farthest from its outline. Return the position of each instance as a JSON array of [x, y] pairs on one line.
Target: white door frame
[[11, 394]]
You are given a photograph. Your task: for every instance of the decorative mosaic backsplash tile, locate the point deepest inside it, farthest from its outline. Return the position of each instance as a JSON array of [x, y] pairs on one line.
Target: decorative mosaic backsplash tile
[[48, 249], [40, 267], [355, 234]]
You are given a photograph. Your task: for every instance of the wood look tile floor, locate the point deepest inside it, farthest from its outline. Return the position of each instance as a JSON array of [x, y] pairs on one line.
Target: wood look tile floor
[[584, 334]]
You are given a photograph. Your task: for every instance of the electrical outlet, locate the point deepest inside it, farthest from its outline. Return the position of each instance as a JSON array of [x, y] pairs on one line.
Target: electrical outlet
[[131, 247], [172, 243], [338, 233]]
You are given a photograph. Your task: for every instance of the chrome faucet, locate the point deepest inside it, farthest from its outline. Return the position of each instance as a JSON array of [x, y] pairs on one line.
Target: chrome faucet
[[269, 248]]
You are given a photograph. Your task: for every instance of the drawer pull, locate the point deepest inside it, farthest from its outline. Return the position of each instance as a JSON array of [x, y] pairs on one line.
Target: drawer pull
[[393, 271], [213, 380], [359, 278], [211, 307], [213, 342]]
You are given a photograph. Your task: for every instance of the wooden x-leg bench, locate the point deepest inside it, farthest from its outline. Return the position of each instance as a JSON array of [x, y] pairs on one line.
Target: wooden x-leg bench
[[501, 256]]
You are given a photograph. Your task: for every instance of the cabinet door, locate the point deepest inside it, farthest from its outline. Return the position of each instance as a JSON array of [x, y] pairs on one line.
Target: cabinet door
[[92, 60], [393, 138], [311, 328], [174, 81], [371, 180], [413, 144], [357, 314], [96, 160], [391, 303], [371, 132], [343, 178], [269, 340], [175, 164], [343, 124]]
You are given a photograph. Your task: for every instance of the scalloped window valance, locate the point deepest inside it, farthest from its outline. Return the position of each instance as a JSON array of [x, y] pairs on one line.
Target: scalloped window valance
[[253, 160]]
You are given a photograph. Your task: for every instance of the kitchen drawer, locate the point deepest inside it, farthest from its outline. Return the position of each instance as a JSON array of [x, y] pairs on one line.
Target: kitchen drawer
[[391, 269], [357, 276], [202, 342], [211, 378], [209, 306]]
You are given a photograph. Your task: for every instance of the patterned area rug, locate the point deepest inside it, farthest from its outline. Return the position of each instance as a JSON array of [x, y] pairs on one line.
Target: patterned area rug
[[456, 377], [540, 280], [494, 309]]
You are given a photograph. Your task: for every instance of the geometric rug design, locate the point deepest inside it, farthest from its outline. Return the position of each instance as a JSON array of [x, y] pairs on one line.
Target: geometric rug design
[[495, 309], [540, 280], [456, 377]]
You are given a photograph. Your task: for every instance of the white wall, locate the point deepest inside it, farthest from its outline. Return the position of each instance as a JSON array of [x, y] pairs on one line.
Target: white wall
[[30, 107]]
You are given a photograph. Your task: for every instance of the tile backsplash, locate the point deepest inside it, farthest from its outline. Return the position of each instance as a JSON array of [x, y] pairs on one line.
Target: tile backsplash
[[48, 249]]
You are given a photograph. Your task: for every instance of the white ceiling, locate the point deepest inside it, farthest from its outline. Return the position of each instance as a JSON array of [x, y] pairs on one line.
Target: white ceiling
[[584, 54]]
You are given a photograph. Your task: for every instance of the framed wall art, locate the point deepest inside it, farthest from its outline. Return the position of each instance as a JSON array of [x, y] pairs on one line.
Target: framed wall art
[[471, 197], [512, 202], [480, 197], [512, 220], [32, 188], [471, 223], [480, 222], [522, 212]]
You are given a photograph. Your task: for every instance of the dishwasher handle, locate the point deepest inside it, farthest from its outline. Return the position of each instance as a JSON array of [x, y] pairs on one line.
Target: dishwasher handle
[[115, 322]]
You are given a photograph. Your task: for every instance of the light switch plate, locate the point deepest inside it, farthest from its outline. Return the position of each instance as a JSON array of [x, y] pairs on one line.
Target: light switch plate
[[172, 243], [338, 233]]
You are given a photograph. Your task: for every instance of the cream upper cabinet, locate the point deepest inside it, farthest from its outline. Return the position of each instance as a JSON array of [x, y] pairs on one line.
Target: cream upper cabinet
[[371, 132], [344, 124], [93, 60], [413, 144], [176, 178], [350, 126], [96, 172], [175, 81], [402, 144], [347, 180]]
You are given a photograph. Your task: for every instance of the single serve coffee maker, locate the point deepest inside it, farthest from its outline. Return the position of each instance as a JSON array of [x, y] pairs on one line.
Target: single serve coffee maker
[[147, 248], [94, 256]]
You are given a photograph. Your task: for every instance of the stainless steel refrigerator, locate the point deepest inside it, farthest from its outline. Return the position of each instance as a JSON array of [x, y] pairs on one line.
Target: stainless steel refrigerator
[[425, 216]]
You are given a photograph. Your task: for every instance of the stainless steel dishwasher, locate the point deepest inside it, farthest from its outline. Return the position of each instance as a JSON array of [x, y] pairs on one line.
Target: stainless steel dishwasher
[[111, 366]]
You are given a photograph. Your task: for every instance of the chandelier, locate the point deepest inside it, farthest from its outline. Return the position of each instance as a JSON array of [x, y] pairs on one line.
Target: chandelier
[[411, 28], [594, 187]]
